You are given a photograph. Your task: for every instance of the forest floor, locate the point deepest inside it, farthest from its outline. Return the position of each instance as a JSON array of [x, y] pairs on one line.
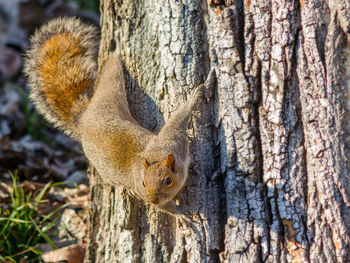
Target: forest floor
[[41, 169]]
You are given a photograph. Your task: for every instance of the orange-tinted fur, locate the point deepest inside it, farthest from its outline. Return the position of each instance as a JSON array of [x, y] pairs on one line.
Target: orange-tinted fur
[[57, 64], [121, 147], [155, 180]]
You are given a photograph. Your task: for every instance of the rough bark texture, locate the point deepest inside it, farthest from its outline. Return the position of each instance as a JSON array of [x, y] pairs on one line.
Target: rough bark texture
[[270, 150]]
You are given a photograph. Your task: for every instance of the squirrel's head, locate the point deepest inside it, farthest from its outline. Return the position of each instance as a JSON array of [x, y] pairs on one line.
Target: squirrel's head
[[161, 180]]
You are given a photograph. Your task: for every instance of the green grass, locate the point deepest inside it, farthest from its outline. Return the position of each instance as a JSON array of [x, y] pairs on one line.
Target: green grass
[[22, 228]]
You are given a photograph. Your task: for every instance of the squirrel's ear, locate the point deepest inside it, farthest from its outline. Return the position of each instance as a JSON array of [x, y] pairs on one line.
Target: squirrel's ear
[[170, 162], [145, 163]]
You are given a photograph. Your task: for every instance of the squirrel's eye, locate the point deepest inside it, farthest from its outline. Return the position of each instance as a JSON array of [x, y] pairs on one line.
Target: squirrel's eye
[[168, 181], [143, 183]]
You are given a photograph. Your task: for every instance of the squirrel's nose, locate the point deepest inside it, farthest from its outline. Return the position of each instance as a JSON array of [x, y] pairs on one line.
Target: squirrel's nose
[[154, 200]]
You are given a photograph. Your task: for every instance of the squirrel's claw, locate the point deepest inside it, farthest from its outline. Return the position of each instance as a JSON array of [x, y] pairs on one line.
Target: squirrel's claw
[[197, 93], [209, 83]]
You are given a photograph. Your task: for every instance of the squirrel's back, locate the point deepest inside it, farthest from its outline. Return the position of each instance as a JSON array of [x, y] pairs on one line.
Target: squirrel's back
[[61, 67]]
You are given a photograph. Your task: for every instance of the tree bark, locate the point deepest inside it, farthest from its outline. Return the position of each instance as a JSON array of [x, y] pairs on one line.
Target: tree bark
[[269, 180]]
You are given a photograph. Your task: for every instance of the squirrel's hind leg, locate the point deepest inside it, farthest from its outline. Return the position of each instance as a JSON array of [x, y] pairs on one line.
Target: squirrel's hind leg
[[180, 118]]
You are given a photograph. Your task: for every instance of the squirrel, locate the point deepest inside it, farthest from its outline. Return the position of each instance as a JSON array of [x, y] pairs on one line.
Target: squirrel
[[92, 107]]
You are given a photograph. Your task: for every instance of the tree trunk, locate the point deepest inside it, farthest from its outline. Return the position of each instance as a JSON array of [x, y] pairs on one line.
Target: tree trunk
[[270, 150]]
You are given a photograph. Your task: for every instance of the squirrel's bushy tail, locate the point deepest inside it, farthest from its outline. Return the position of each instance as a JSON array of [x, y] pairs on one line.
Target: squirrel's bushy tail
[[61, 67]]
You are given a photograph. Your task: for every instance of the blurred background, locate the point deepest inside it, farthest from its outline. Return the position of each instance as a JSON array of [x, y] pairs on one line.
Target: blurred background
[[43, 182]]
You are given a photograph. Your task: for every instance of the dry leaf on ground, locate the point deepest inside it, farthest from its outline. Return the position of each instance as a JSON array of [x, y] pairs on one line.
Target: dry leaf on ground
[[71, 254]]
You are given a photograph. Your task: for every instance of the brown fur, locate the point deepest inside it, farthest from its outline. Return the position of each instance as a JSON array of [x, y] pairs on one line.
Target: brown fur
[[61, 70], [125, 153], [121, 147], [155, 177]]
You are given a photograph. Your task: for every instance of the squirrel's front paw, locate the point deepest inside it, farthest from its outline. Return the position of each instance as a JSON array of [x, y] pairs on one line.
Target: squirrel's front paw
[[197, 94]]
